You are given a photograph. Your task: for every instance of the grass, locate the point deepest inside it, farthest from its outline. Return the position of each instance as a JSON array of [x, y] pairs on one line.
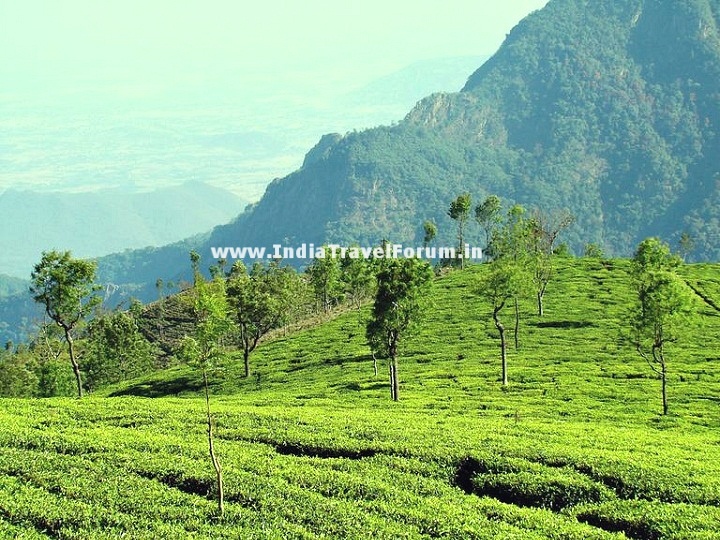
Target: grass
[[312, 446]]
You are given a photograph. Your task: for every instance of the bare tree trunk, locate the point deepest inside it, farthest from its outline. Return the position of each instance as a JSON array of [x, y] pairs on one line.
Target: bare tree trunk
[[73, 361], [541, 311], [392, 381], [395, 383], [503, 346], [246, 360], [213, 457], [663, 376], [517, 324], [374, 363]]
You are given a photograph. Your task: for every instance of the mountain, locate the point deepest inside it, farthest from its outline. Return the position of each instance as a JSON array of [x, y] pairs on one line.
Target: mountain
[[610, 109], [10, 285], [96, 223]]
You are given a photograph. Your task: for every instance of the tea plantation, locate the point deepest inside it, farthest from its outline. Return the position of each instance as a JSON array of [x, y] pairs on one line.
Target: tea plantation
[[312, 446]]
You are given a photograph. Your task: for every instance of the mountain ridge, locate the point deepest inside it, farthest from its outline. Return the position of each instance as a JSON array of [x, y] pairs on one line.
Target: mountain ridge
[[578, 109]]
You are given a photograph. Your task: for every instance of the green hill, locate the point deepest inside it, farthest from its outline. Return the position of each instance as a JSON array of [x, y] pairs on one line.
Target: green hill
[[313, 447]]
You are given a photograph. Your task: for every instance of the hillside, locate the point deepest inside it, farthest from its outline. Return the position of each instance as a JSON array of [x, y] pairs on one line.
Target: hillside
[[96, 223], [610, 109], [312, 446]]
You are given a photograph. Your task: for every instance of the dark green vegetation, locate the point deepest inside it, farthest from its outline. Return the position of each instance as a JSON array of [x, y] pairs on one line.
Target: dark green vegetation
[[311, 445]]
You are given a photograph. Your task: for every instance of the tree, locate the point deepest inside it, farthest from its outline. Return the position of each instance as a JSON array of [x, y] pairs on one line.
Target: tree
[[460, 211], [504, 281], [430, 230], [116, 350], [593, 251], [663, 301], [324, 274], [513, 243], [402, 283], [203, 349], [545, 229], [65, 287], [358, 277], [686, 245], [487, 214], [261, 301]]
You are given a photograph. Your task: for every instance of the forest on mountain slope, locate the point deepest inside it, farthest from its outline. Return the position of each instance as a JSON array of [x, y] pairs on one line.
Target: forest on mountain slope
[[609, 109]]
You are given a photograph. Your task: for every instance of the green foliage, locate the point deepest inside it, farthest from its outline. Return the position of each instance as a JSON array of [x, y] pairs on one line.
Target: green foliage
[[325, 279], [663, 302], [115, 350], [487, 214], [18, 375], [203, 348], [261, 301], [401, 286], [460, 212], [64, 287], [593, 251], [358, 277], [430, 232]]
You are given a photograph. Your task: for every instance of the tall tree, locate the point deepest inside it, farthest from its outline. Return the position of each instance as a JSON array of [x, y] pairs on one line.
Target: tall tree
[[402, 283], [324, 274], [65, 286], [203, 349], [686, 245], [488, 216], [545, 228], [357, 275], [430, 232], [504, 281], [460, 212], [513, 242], [261, 301], [663, 302]]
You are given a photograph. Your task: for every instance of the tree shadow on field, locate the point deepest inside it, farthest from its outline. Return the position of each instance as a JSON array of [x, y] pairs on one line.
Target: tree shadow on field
[[565, 324], [154, 389]]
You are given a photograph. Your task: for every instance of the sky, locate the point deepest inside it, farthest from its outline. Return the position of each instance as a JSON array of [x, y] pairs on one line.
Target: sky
[[148, 93], [149, 43]]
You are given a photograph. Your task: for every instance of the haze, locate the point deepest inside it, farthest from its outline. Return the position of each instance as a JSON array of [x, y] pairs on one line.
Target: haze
[[144, 94]]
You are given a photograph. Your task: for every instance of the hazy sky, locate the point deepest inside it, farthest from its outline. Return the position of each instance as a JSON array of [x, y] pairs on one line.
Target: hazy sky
[[146, 93], [141, 44]]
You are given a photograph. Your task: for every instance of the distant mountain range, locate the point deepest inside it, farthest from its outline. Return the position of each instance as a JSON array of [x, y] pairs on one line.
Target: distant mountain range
[[97, 223]]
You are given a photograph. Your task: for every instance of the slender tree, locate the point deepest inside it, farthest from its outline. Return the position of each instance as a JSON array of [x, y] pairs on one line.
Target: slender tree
[[324, 274], [402, 283], [460, 212], [663, 302], [203, 350], [358, 278], [544, 230], [504, 281], [686, 245], [513, 242], [488, 216], [65, 286]]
